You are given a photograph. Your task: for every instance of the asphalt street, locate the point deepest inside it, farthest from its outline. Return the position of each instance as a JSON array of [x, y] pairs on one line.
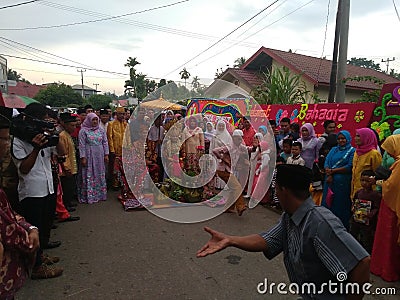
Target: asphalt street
[[112, 254]]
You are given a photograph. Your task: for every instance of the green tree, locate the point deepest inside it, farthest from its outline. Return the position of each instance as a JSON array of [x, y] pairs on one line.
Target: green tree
[[184, 75], [364, 63], [195, 82], [14, 75], [239, 62], [59, 95], [161, 83], [394, 74], [281, 87], [218, 73], [137, 85], [99, 101]]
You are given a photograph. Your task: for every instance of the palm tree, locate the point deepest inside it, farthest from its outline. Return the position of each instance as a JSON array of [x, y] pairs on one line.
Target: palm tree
[[239, 62], [184, 75], [196, 82]]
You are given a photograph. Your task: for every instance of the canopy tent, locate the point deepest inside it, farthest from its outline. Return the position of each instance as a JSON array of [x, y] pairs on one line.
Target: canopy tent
[[162, 104], [15, 101]]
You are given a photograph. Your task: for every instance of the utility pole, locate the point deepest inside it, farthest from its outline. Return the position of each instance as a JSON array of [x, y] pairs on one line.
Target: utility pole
[[343, 44], [332, 81], [96, 85], [83, 90], [387, 61]]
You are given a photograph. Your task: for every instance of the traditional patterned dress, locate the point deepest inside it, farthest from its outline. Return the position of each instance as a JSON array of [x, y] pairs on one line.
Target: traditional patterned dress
[[93, 146], [14, 244]]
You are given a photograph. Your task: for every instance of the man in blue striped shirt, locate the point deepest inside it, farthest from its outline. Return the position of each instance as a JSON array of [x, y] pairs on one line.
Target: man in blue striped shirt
[[318, 251]]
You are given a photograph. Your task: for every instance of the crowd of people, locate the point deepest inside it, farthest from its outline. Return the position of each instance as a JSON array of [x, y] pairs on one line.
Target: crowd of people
[[43, 182]]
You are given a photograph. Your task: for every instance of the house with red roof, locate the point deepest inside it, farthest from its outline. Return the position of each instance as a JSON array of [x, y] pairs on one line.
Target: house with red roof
[[315, 74], [25, 89]]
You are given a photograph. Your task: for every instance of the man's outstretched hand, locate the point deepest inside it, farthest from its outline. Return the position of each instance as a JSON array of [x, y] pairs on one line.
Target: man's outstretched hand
[[218, 242]]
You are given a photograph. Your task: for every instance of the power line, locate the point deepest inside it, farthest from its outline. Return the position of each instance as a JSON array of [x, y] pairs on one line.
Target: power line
[[137, 23], [94, 21], [249, 36], [77, 67], [19, 4], [224, 37], [48, 53], [326, 31], [63, 65], [395, 8], [66, 74]]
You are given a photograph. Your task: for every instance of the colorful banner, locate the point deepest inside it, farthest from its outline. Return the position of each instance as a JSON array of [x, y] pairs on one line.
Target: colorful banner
[[386, 116], [346, 115]]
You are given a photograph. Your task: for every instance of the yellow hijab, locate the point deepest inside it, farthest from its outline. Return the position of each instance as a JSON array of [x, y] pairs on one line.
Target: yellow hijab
[[390, 187]]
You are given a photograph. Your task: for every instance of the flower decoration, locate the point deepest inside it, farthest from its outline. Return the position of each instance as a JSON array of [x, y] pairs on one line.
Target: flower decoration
[[314, 124], [383, 129], [359, 116], [339, 126]]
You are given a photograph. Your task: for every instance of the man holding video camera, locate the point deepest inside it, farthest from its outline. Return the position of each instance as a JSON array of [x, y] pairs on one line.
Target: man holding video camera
[[32, 147]]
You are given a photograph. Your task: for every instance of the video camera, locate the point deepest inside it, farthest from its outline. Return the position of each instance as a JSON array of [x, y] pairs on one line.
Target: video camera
[[27, 128]]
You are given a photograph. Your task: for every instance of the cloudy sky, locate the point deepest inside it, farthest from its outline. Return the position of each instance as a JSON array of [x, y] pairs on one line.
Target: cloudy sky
[[166, 39]]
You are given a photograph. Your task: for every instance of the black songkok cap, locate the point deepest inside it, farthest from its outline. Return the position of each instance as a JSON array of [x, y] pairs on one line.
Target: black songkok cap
[[294, 177], [67, 117]]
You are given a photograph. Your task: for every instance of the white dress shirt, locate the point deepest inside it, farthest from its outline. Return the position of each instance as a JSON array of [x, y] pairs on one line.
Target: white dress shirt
[[39, 181]]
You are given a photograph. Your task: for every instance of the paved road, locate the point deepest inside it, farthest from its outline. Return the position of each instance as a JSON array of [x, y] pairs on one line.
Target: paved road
[[112, 254]]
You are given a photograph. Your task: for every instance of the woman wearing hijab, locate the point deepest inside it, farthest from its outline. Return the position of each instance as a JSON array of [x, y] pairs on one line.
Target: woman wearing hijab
[[263, 130], [338, 167], [262, 172], [385, 259], [208, 135], [367, 157], [93, 149], [193, 146], [220, 139], [255, 161], [310, 145]]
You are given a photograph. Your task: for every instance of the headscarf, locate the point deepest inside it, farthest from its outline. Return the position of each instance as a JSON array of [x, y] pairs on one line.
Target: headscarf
[[259, 136], [310, 130], [392, 145], [223, 135], [347, 136], [390, 187], [87, 124], [209, 134], [387, 160], [263, 128], [368, 141], [397, 131]]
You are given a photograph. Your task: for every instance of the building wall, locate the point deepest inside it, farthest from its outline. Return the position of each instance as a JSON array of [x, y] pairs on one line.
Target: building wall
[[351, 95]]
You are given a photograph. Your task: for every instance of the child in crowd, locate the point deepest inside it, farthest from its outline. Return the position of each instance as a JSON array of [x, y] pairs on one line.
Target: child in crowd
[[296, 159], [287, 149], [365, 211]]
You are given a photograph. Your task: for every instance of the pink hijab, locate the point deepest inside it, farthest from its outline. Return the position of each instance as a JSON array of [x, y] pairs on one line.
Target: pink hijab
[[87, 124], [368, 141]]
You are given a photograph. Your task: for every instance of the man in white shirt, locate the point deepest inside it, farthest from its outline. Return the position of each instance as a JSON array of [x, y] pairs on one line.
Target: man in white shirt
[[35, 188]]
